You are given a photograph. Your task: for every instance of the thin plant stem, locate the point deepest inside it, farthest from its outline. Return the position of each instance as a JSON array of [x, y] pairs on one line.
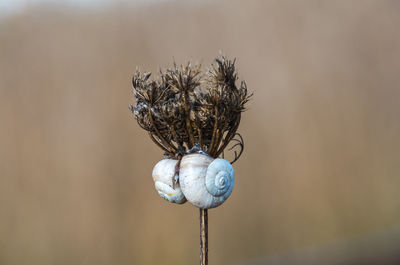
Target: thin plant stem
[[187, 119], [203, 237], [160, 145], [176, 139], [210, 148], [229, 136], [162, 139]]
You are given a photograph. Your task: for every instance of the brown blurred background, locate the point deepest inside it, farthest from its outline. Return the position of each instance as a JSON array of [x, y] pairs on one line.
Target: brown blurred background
[[318, 182]]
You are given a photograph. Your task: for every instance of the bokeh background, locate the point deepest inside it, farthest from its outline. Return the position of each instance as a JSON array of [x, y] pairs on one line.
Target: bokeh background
[[318, 182]]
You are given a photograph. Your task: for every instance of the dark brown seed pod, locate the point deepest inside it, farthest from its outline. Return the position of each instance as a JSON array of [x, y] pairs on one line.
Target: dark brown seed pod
[[184, 108]]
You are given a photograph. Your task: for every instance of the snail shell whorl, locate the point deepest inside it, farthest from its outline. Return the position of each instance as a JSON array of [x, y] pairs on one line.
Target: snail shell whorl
[[163, 175], [206, 182], [220, 178]]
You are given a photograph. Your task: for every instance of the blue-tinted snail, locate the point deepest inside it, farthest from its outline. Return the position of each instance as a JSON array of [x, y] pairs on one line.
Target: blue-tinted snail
[[202, 180]]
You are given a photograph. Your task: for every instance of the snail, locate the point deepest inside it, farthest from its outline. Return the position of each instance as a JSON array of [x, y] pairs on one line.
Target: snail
[[205, 182], [164, 176]]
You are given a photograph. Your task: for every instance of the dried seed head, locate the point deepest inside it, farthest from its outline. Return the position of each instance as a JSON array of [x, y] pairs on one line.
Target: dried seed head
[[184, 108]]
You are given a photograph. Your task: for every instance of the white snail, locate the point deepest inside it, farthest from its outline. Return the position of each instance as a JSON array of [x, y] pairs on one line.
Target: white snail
[[205, 182], [164, 176]]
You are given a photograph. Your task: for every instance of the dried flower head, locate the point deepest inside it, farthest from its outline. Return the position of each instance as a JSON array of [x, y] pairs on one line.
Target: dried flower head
[[185, 110]]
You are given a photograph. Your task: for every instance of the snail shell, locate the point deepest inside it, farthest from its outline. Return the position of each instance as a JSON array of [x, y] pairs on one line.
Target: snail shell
[[163, 176], [206, 182]]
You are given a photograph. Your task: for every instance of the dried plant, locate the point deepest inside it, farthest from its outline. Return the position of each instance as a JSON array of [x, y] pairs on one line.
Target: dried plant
[[185, 110]]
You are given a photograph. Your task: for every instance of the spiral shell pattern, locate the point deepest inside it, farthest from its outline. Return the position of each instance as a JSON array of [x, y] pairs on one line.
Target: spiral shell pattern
[[206, 182], [220, 178], [163, 176]]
